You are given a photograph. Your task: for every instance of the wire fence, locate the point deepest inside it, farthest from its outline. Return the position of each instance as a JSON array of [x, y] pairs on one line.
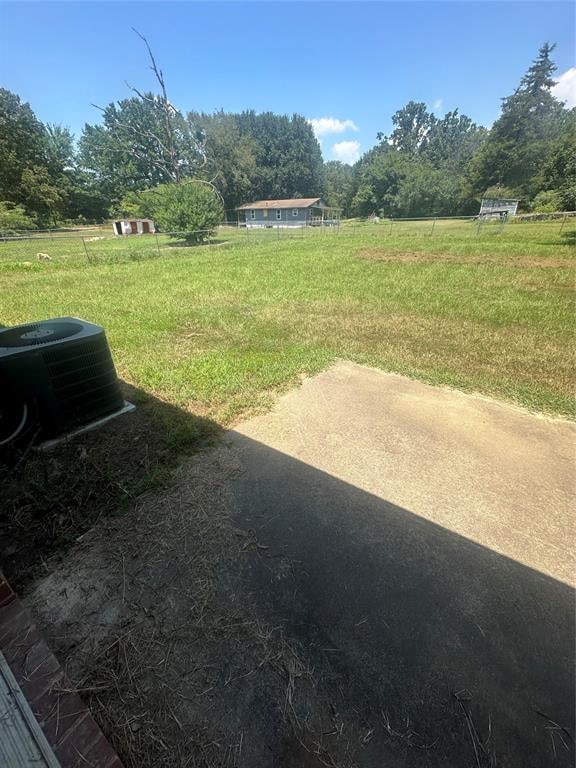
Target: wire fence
[[99, 244]]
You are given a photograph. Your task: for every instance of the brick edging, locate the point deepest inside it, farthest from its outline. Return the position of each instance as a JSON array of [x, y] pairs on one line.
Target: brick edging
[[66, 721]]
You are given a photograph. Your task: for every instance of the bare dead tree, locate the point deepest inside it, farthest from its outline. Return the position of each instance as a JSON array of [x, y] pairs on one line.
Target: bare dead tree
[[175, 133], [172, 133], [168, 112]]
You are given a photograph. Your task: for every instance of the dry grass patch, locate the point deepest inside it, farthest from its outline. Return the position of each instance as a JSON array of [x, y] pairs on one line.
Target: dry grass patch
[[504, 259], [486, 357]]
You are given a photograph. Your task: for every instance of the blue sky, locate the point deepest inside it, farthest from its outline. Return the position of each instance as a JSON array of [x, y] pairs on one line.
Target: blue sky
[[349, 65]]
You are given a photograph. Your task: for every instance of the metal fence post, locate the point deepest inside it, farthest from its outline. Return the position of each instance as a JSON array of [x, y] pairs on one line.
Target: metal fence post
[[563, 222], [433, 225], [157, 243], [86, 251]]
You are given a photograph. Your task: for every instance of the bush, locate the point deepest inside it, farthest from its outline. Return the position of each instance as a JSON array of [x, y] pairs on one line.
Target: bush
[[13, 217], [547, 202], [190, 208]]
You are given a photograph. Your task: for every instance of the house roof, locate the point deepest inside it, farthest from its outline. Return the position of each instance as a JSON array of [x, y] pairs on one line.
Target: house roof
[[295, 202]]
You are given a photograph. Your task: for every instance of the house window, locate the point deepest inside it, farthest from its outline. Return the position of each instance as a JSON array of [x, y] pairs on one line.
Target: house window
[[252, 214], [279, 215], [295, 211]]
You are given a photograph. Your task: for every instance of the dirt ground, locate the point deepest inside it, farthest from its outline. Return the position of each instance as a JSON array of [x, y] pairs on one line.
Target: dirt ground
[[377, 572]]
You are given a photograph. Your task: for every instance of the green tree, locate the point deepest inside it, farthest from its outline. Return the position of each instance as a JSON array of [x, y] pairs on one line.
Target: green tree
[[85, 200], [81, 198], [339, 185], [413, 124], [559, 173], [288, 159], [42, 194], [22, 145], [230, 157], [396, 184], [420, 170], [453, 141], [522, 138], [59, 142], [144, 141], [38, 166], [28, 171], [14, 217], [190, 208], [547, 202], [381, 175], [128, 151]]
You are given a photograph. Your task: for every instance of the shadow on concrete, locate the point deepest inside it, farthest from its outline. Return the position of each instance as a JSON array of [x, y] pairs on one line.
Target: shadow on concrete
[[441, 652], [453, 653]]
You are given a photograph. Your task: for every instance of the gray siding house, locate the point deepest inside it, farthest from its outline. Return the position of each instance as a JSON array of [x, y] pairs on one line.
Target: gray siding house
[[295, 212]]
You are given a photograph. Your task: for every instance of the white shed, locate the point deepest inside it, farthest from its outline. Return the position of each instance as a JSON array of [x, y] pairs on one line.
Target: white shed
[[134, 227]]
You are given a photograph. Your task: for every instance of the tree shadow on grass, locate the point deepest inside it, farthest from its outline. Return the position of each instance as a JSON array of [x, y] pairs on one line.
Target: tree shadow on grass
[[567, 237], [212, 241]]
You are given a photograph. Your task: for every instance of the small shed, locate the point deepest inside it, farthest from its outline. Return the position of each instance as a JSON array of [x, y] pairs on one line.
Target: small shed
[[292, 212], [498, 207], [134, 227]]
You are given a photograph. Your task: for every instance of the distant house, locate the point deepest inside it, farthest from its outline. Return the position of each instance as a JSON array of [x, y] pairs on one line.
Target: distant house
[[134, 227], [295, 212]]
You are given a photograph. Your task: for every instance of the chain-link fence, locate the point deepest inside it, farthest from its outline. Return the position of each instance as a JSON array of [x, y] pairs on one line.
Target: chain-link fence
[[457, 226], [93, 245], [99, 245]]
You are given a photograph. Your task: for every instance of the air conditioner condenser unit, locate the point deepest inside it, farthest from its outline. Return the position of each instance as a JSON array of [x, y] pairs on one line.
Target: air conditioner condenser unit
[[56, 377]]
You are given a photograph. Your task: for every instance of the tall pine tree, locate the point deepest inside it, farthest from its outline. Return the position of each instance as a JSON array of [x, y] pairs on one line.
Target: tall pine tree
[[522, 139]]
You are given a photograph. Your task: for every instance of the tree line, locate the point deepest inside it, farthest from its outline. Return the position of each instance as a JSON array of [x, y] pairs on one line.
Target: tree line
[[143, 147]]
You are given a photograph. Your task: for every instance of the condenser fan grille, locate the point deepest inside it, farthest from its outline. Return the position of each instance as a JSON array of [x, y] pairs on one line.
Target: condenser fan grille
[[37, 334], [83, 379]]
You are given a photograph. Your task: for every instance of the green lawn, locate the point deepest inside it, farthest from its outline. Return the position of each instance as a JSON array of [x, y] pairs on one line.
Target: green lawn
[[219, 329]]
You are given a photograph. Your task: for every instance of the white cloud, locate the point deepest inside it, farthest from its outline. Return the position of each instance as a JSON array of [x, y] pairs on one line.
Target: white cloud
[[565, 88], [437, 106], [323, 125], [346, 151]]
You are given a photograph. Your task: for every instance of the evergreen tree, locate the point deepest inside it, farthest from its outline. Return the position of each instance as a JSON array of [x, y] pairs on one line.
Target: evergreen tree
[[522, 138]]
